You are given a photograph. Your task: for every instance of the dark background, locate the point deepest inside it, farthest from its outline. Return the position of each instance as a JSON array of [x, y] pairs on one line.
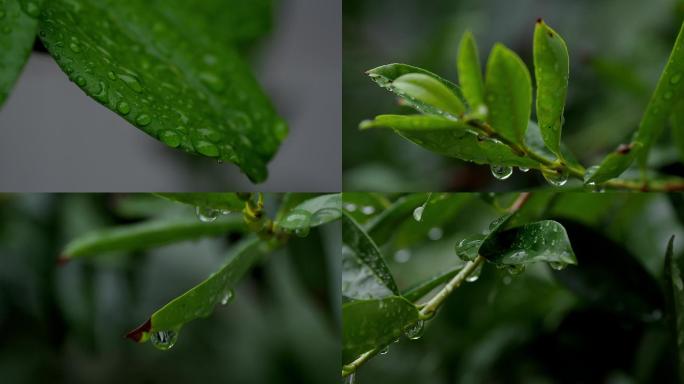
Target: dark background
[[617, 51]]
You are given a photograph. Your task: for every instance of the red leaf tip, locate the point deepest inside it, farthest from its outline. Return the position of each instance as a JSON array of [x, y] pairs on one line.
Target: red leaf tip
[[62, 260], [137, 334], [539, 20]]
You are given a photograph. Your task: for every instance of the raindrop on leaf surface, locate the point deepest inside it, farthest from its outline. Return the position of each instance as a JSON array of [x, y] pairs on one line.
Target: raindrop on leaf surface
[[558, 266], [164, 340], [227, 297], [415, 330], [474, 275], [418, 213], [385, 350], [207, 215], [556, 177], [501, 172]]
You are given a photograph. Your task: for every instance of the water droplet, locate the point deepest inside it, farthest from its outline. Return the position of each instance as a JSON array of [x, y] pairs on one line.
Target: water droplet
[[402, 256], [170, 138], [324, 215], [675, 78], [212, 81], [302, 232], [164, 340], [415, 330], [385, 350], [524, 169], [435, 233], [132, 82], [418, 213], [81, 81], [75, 47], [111, 75], [124, 108], [32, 9], [350, 207], [227, 297], [558, 266], [515, 269], [206, 214], [207, 149], [351, 379], [143, 120], [556, 177], [298, 219], [467, 249], [501, 172], [667, 95], [475, 275], [368, 210]]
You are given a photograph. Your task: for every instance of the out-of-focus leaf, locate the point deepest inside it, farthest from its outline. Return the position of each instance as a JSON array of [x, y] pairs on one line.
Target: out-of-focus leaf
[[674, 294], [431, 95], [421, 289], [470, 71], [552, 69], [200, 301], [290, 201], [451, 138], [18, 30], [149, 235], [165, 67], [364, 206], [613, 165], [382, 227], [366, 252], [372, 323], [313, 212], [218, 201], [677, 121], [668, 91], [508, 89]]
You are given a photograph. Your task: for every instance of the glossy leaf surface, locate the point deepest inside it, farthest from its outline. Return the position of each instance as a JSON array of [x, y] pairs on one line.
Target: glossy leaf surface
[[313, 212], [430, 93], [470, 71], [613, 165], [18, 28]]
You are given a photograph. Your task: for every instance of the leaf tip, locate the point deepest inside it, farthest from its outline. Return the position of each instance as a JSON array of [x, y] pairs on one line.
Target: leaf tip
[[63, 260], [138, 334], [540, 20]]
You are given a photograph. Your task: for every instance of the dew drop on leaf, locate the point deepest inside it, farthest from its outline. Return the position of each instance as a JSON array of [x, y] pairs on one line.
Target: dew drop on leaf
[[298, 218], [207, 149], [523, 169], [556, 177], [350, 207], [418, 213], [303, 231], [515, 269], [124, 108], [207, 215], [415, 330], [164, 340], [558, 266], [368, 210], [143, 120], [350, 379], [474, 275], [170, 138], [676, 78], [227, 297], [501, 172], [385, 350], [324, 215]]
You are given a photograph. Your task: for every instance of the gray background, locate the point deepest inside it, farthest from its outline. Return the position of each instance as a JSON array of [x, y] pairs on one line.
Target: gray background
[[53, 138]]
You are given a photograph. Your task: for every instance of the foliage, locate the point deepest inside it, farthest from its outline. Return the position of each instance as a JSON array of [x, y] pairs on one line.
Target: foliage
[[174, 70]]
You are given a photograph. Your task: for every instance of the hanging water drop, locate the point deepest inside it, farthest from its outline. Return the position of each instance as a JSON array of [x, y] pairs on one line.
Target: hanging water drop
[[206, 214], [350, 379], [124, 108], [324, 215], [170, 138], [501, 172], [523, 169], [515, 269], [415, 330], [418, 213], [556, 177], [164, 340], [385, 350], [303, 231], [298, 218], [558, 265], [474, 275], [207, 149], [227, 297]]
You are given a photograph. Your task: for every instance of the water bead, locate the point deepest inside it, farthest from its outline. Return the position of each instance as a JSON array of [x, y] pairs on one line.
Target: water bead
[[501, 172]]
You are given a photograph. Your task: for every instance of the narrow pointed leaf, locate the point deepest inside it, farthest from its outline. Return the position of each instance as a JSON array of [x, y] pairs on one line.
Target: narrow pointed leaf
[[421, 289], [372, 323], [149, 235], [470, 72], [451, 138], [219, 201], [552, 69], [613, 165], [669, 90], [18, 28], [674, 294], [313, 212], [541, 241], [508, 90], [186, 89], [386, 74], [430, 93], [200, 301], [367, 253]]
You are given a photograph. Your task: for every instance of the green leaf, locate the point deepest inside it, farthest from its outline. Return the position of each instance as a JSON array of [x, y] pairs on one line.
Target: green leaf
[[372, 323], [313, 212], [367, 252], [17, 33], [508, 90], [674, 294], [148, 235], [470, 71], [613, 165], [429, 93], [218, 201], [541, 241], [677, 122], [670, 88], [386, 74], [359, 282], [451, 138], [421, 289], [200, 301], [179, 84], [552, 69]]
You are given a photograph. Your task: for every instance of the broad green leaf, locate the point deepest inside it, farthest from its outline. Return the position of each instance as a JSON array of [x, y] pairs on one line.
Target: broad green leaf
[[18, 30], [508, 90], [386, 74], [551, 69], [421, 289], [359, 281], [674, 293], [613, 165], [541, 241], [367, 252], [670, 88], [183, 87], [451, 138], [290, 201], [428, 92], [313, 212], [677, 122], [149, 235], [200, 301], [470, 72], [469, 248], [218, 201], [373, 323]]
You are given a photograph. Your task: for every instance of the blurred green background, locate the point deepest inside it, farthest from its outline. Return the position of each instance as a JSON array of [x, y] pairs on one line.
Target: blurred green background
[[603, 321], [617, 50], [66, 324]]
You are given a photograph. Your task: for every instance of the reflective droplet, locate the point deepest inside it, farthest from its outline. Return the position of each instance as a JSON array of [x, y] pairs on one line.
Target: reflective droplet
[[402, 256], [351, 379], [350, 207], [207, 149], [299, 220], [206, 214], [164, 340], [170, 138], [132, 82], [143, 120], [556, 177], [523, 169], [501, 172], [302, 232], [515, 269], [435, 233], [324, 215], [385, 350], [468, 248], [675, 78], [558, 266], [32, 9], [368, 210], [415, 330], [418, 213], [474, 275], [227, 297], [81, 81], [124, 108]]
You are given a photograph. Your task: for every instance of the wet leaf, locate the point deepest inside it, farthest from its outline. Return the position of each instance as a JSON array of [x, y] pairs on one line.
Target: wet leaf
[[149, 235], [668, 91], [674, 294], [18, 30], [470, 71], [429, 92], [382, 227], [219, 201], [552, 69], [313, 212], [451, 138], [508, 90], [155, 65], [386, 74], [371, 323], [359, 282], [677, 122], [366, 252], [540, 241], [613, 165], [200, 301]]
